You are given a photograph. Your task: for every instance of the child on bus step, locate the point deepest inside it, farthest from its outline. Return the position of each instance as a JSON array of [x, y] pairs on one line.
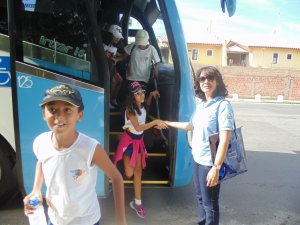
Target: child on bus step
[[143, 56], [113, 47], [68, 161], [131, 147]]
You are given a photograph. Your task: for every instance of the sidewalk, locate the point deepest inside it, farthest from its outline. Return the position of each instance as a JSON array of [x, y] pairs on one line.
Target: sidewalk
[[264, 101]]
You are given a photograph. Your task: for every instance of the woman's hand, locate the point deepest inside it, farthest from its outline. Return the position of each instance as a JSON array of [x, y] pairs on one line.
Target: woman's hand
[[212, 177]]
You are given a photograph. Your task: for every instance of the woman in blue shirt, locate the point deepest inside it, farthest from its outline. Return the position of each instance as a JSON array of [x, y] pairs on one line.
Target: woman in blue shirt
[[212, 115]]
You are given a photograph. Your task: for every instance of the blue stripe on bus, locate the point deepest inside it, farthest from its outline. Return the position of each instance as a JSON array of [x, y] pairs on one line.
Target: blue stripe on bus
[[183, 165], [59, 68], [5, 80]]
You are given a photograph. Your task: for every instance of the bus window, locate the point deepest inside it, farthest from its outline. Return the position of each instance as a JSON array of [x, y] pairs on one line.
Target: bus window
[[45, 45], [162, 41], [3, 18], [133, 25]]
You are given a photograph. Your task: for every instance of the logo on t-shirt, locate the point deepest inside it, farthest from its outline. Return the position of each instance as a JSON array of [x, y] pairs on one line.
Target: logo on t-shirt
[[77, 174]]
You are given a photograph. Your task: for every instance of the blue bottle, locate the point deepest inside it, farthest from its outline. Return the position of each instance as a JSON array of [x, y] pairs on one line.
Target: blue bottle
[[38, 217]]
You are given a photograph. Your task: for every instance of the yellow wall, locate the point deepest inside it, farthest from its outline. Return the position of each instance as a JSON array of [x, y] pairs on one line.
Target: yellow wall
[[215, 59], [262, 57]]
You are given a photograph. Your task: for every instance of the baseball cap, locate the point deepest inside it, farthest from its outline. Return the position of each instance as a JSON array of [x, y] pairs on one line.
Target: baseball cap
[[141, 37], [63, 93], [116, 31], [135, 86]]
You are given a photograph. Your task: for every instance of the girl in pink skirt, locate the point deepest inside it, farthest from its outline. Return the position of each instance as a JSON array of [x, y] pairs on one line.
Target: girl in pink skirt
[[131, 147]]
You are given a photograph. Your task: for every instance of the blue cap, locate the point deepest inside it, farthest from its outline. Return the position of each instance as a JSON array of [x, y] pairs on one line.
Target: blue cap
[[63, 93]]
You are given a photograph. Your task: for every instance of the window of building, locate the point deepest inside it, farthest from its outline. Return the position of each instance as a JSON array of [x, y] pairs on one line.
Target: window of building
[[195, 52], [275, 58], [289, 56], [209, 52]]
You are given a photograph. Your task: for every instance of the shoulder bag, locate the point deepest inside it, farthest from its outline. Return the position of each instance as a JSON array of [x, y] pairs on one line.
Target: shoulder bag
[[235, 160]]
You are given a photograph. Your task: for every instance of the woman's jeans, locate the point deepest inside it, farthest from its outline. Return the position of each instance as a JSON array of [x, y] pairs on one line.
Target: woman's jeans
[[207, 197]]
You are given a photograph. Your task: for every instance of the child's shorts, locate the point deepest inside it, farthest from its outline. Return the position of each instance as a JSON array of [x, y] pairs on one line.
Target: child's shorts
[[129, 150]]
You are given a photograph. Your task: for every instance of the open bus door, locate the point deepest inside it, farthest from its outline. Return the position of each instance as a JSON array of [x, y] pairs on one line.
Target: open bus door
[[169, 159]]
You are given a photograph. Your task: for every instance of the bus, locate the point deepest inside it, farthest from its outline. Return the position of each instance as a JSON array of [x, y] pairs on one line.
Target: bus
[[49, 42]]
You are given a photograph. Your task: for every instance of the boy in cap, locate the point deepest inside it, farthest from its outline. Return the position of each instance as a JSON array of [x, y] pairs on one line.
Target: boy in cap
[[142, 55], [68, 161]]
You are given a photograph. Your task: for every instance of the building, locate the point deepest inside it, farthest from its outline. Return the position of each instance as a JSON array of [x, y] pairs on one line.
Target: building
[[276, 54]]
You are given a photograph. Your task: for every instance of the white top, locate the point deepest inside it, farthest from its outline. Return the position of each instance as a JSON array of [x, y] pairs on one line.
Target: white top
[[70, 179], [140, 62], [209, 118], [141, 120], [110, 50]]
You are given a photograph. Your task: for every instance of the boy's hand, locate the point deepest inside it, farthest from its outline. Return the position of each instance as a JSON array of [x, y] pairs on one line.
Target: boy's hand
[[29, 209]]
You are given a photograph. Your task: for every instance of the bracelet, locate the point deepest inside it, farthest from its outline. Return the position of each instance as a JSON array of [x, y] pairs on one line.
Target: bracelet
[[218, 167]]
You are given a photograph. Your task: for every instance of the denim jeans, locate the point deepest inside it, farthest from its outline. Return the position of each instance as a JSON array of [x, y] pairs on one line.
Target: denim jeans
[[207, 197]]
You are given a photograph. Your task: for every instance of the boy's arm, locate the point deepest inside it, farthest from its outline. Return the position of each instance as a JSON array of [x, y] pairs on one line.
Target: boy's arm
[[39, 178], [36, 190], [101, 160]]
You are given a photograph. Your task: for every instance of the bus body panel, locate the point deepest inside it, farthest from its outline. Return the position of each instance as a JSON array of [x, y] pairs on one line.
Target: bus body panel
[[6, 113], [183, 164], [31, 89]]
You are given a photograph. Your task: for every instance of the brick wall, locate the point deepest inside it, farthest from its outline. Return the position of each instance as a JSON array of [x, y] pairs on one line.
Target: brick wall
[[268, 82]]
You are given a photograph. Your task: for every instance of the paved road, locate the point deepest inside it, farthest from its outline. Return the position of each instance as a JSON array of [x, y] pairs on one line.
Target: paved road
[[268, 194]]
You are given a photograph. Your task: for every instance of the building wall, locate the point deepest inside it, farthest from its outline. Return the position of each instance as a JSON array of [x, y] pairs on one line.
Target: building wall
[[215, 59], [263, 57], [268, 82]]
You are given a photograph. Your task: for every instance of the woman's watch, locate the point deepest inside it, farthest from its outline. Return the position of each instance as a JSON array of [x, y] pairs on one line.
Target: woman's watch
[[218, 167]]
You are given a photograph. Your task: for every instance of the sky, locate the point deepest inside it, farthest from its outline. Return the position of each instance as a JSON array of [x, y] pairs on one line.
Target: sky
[[253, 20]]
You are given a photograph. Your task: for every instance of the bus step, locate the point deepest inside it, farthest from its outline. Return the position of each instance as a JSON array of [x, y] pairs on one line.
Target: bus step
[[156, 171]]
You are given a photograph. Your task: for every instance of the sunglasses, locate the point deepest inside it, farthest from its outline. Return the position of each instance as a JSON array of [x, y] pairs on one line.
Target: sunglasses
[[209, 78], [139, 93]]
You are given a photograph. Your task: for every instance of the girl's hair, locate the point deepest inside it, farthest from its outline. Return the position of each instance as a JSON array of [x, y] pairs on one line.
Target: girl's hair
[[221, 89], [131, 105]]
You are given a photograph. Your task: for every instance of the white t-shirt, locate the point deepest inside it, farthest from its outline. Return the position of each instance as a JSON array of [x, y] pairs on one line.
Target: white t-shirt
[[141, 120], [110, 50], [140, 62], [70, 179]]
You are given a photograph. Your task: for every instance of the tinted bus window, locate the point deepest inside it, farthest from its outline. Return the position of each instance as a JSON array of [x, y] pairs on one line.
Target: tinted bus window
[[45, 45]]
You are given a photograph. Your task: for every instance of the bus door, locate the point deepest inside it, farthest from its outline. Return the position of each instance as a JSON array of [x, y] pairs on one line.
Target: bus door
[[169, 157], [55, 45]]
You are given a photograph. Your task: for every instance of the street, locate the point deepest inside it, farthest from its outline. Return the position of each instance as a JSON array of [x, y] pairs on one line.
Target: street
[[268, 194]]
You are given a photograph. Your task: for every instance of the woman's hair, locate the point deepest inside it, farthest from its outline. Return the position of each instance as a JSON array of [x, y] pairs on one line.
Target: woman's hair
[[131, 105], [221, 89]]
